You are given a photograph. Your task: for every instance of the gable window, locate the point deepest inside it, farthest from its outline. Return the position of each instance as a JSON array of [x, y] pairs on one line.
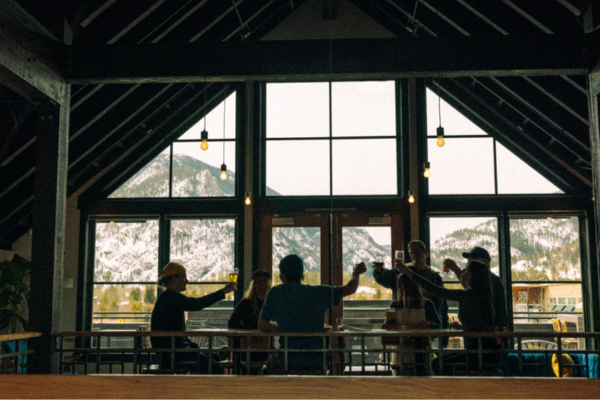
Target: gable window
[[184, 170], [472, 155]]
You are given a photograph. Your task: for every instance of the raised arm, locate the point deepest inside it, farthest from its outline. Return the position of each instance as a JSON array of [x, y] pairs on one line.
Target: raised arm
[[385, 277], [352, 285], [450, 294]]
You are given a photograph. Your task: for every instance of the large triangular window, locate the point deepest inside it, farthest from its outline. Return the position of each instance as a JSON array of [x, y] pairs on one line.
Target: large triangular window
[[472, 162], [185, 170]]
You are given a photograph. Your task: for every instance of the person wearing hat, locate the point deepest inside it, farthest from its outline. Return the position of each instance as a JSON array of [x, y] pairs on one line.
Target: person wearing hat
[[168, 315], [246, 312], [296, 307], [476, 312], [480, 254]]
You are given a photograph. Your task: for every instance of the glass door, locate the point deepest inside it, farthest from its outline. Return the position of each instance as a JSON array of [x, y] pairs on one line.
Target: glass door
[[355, 238]]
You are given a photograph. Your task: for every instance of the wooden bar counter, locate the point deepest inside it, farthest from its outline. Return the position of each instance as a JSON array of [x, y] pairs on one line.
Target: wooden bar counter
[[291, 387]]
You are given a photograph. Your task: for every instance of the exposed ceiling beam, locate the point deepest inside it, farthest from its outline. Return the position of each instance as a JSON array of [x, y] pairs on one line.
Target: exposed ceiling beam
[[96, 13], [29, 56], [350, 59]]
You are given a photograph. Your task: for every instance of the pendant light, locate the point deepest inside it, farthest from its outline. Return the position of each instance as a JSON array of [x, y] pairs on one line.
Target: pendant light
[[426, 167], [411, 196], [224, 166], [248, 200], [204, 133], [440, 131]]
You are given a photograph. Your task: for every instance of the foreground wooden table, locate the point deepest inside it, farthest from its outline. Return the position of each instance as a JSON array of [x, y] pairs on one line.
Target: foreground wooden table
[[290, 387]]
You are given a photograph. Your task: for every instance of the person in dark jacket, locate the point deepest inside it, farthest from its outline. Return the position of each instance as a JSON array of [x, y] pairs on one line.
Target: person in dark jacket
[[475, 311], [418, 253], [168, 315]]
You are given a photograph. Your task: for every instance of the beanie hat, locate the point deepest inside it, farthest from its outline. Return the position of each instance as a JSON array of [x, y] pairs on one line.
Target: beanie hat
[[172, 268]]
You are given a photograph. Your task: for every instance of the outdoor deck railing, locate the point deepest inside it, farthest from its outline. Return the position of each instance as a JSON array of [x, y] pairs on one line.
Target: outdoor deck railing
[[518, 359], [15, 352]]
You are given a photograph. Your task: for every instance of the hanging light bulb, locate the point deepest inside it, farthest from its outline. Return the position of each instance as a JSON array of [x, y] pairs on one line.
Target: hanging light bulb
[[204, 133], [223, 166], [248, 200], [440, 134], [411, 196], [426, 172], [204, 137], [440, 130]]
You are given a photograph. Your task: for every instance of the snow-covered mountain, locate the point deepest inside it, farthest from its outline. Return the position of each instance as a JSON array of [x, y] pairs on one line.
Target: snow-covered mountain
[[128, 251], [541, 249]]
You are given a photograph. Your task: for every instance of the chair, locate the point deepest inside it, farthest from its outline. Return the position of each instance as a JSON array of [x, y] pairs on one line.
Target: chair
[[261, 342], [535, 344], [568, 343], [556, 325], [409, 359]]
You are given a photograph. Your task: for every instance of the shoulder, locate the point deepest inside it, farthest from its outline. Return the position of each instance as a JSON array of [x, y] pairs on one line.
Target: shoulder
[[243, 303]]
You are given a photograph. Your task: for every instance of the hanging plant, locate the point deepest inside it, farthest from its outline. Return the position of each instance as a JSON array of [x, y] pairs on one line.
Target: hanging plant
[[14, 292]]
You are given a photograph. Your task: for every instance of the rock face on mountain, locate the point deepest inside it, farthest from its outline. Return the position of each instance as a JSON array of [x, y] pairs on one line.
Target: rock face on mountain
[[541, 249]]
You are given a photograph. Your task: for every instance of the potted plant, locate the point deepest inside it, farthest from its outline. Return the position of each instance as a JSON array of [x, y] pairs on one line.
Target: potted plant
[[14, 292]]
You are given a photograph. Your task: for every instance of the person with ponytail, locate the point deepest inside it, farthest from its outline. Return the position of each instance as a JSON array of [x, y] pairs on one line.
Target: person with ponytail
[[475, 312]]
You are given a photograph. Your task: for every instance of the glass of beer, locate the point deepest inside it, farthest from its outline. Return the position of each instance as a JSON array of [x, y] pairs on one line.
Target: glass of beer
[[233, 275], [446, 269], [378, 263], [399, 256]]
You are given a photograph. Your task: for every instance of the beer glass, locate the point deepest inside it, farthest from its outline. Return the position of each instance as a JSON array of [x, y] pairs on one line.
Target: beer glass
[[233, 275], [399, 256], [378, 263]]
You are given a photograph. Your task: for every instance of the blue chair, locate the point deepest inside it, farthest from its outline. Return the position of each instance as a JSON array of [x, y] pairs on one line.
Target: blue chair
[[540, 364]]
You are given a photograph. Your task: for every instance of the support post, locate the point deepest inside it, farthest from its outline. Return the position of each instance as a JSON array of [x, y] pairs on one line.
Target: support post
[[413, 157], [591, 17], [593, 89], [51, 165]]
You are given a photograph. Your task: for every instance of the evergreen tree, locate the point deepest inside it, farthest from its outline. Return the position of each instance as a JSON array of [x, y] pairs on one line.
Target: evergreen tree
[[150, 295]]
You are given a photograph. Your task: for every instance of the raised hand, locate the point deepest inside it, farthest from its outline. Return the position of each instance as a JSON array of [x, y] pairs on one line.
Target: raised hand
[[230, 287]]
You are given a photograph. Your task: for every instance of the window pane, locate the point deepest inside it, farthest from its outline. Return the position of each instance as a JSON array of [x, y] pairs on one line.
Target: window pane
[[126, 305], [298, 110], [450, 237], [205, 247], [366, 244], [214, 122], [306, 243], [545, 249], [150, 181], [298, 168], [196, 172], [363, 109], [515, 176], [126, 251], [462, 166], [366, 167], [454, 122], [212, 317]]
